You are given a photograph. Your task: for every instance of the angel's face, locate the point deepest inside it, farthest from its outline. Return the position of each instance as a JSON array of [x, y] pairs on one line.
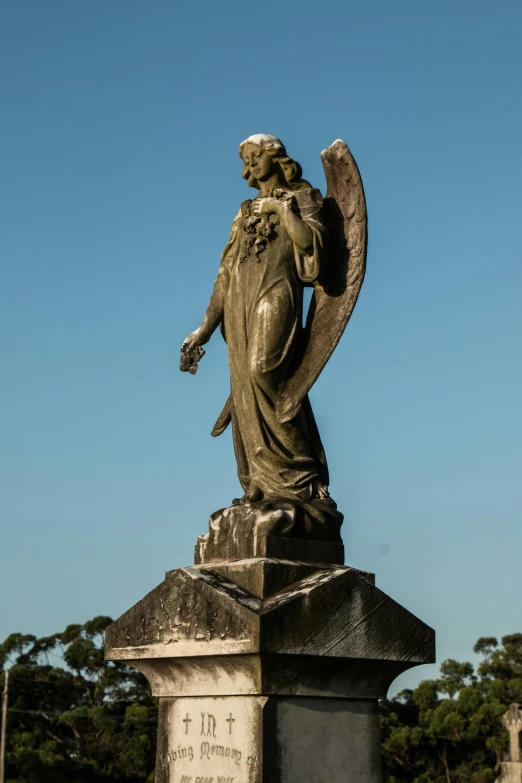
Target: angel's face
[[260, 163]]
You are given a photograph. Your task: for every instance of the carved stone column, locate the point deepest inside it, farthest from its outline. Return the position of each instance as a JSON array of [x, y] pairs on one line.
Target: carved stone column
[[269, 669], [511, 770]]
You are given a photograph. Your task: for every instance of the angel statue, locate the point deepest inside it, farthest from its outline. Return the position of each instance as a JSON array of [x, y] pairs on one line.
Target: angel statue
[[286, 238]]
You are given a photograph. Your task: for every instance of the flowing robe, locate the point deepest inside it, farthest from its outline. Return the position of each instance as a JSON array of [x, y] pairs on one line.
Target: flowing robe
[[263, 311]]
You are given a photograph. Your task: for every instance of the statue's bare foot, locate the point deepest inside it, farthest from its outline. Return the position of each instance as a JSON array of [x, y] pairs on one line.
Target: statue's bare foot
[[321, 491]]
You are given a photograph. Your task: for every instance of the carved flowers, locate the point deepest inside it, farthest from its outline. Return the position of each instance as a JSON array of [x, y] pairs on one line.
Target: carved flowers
[[259, 230]]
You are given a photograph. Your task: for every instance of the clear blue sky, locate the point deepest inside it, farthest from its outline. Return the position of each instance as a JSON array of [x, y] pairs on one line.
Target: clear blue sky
[[120, 179]]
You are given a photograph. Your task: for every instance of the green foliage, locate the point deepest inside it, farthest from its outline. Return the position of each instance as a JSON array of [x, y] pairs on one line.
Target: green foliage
[[74, 717], [449, 730]]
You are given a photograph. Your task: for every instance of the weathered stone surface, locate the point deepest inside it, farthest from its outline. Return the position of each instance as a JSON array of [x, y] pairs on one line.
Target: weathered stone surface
[[269, 674], [512, 721], [265, 576], [330, 633], [271, 530], [210, 739], [511, 771], [269, 671], [193, 612], [272, 740]]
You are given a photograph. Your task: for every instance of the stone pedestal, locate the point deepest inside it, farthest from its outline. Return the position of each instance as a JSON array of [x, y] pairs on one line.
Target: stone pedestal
[[267, 738], [247, 531], [269, 669], [510, 772]]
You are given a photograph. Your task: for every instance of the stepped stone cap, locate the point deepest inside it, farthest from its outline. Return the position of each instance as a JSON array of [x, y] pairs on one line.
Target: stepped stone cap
[[330, 621]]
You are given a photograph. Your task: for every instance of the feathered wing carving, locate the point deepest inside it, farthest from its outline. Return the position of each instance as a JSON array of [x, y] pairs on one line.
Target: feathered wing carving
[[337, 290]]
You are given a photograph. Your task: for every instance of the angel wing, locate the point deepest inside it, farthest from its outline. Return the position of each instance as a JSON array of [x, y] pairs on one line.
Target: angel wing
[[337, 290]]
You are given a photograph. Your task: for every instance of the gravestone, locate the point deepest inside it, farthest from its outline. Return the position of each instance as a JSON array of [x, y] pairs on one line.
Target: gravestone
[[511, 770], [269, 669], [269, 655]]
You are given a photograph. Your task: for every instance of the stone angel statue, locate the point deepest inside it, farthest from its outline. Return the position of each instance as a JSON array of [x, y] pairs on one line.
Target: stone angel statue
[[286, 238]]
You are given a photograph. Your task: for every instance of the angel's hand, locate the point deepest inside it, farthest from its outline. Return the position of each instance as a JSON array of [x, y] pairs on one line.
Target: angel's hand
[[191, 352], [194, 339], [265, 206]]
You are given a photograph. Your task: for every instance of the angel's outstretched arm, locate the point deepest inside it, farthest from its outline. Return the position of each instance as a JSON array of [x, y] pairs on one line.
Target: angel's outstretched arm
[[213, 315], [214, 312]]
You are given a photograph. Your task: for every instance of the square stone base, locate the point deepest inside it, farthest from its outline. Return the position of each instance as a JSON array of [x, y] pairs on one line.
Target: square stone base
[[258, 739], [511, 772]]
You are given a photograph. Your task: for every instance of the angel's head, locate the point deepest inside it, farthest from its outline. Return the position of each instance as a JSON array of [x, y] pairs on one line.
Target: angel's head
[[264, 156]]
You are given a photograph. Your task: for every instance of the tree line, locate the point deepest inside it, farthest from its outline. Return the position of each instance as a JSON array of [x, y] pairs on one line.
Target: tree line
[[75, 718]]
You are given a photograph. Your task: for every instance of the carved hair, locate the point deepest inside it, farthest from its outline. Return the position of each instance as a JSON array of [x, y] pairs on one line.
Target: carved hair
[[291, 169]]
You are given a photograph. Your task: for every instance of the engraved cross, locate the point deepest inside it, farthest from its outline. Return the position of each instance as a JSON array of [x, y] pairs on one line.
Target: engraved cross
[[186, 721], [512, 721], [230, 721]]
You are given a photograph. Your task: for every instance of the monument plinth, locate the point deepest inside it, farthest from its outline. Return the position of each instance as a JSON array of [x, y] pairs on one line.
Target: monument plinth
[[269, 669], [269, 655]]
